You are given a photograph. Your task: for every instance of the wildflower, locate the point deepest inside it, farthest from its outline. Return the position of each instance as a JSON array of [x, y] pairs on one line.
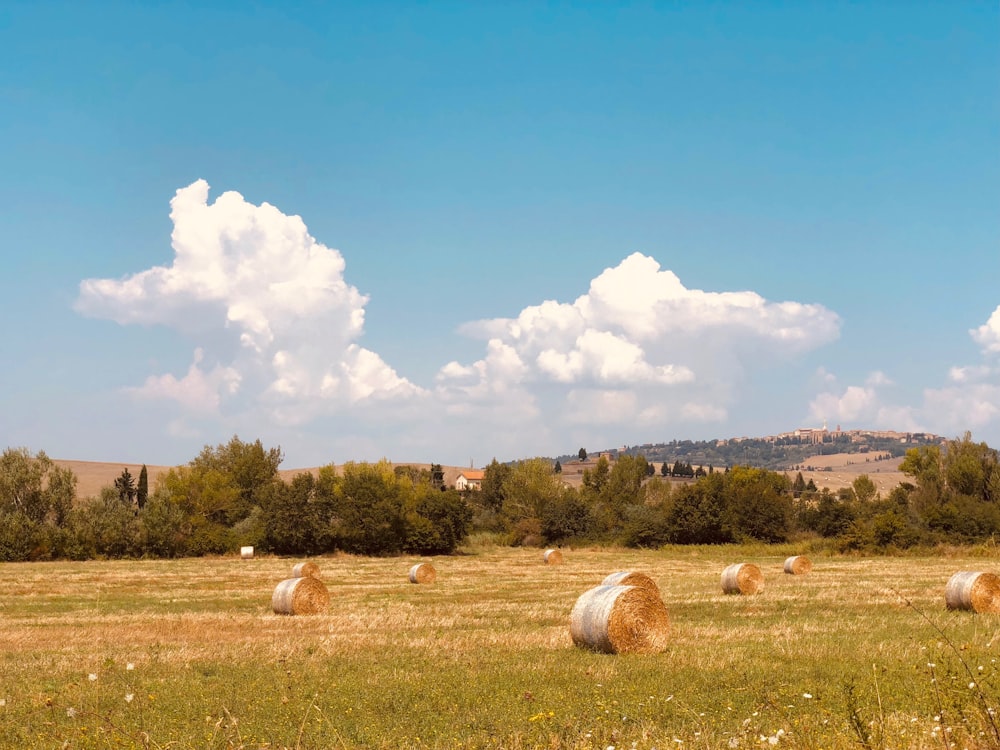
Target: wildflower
[[971, 685], [931, 664], [92, 677], [807, 696], [129, 667], [3, 702], [71, 712], [129, 697]]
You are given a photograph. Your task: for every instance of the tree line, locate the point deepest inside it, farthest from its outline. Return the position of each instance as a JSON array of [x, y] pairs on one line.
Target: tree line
[[227, 497], [232, 495]]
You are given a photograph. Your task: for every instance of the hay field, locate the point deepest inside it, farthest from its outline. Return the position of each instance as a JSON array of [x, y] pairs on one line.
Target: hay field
[[188, 654], [841, 469]]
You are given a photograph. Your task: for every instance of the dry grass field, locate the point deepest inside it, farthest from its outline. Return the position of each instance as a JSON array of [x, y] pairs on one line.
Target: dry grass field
[[841, 469], [188, 654]]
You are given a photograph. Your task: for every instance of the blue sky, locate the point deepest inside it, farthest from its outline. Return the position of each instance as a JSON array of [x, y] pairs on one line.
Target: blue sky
[[456, 231]]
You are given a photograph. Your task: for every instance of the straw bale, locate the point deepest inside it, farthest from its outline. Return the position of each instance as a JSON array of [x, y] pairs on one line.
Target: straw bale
[[307, 568], [246, 553], [620, 620], [798, 565], [979, 592], [742, 578], [422, 573], [300, 596], [552, 557], [630, 578]]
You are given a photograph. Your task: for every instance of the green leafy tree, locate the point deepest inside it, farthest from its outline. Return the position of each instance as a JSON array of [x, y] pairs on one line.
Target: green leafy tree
[[971, 469], [249, 467], [695, 516], [758, 504], [162, 527], [19, 536], [564, 517], [35, 486], [438, 522], [924, 464], [828, 516], [864, 489], [368, 509], [594, 480], [623, 487], [529, 487], [291, 524], [494, 478], [104, 527], [206, 498]]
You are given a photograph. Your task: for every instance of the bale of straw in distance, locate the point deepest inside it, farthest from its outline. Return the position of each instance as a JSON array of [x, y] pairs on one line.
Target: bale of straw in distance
[[246, 553], [973, 590], [300, 596], [422, 573], [798, 565], [620, 620], [742, 578], [630, 578], [307, 568], [552, 557]]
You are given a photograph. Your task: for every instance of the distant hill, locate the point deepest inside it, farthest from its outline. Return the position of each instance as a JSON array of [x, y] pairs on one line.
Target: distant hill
[[783, 454]]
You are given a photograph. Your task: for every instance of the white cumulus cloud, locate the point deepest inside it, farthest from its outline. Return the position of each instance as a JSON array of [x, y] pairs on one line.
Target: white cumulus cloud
[[638, 346], [274, 319], [988, 334]]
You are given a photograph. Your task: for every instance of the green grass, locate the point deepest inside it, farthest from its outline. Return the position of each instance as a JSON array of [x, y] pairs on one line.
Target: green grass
[[482, 658]]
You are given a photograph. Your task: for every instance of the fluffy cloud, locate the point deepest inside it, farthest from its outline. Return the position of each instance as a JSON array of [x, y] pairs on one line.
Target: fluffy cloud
[[275, 321], [198, 391], [276, 328], [854, 405], [970, 401], [638, 347], [988, 334]]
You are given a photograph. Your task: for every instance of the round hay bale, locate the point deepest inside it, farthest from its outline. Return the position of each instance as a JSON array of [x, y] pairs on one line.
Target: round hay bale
[[422, 573], [620, 620], [246, 553], [552, 557], [979, 592], [798, 565], [307, 568], [631, 578], [742, 578], [300, 596]]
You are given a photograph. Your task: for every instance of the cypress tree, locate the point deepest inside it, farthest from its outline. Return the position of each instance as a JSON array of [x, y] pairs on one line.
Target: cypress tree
[[142, 491]]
